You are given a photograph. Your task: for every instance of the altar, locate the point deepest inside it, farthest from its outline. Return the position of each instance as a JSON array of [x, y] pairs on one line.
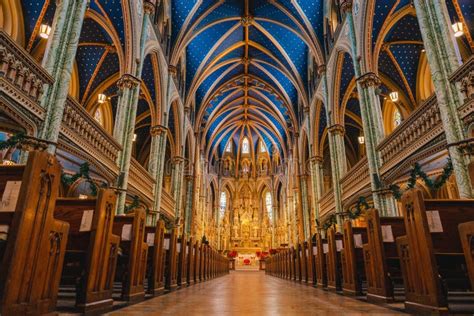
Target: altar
[[247, 258]]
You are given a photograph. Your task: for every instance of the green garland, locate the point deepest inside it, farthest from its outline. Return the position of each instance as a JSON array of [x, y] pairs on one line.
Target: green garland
[[418, 172], [12, 141], [361, 206], [84, 174], [135, 203], [330, 221]]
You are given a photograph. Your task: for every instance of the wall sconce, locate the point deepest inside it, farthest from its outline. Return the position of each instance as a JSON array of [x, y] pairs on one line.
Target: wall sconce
[[101, 98], [458, 29], [394, 96], [134, 137], [44, 31], [361, 139]]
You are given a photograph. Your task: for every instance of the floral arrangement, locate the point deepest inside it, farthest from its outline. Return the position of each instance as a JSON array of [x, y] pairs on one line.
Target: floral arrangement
[[232, 254], [273, 251]]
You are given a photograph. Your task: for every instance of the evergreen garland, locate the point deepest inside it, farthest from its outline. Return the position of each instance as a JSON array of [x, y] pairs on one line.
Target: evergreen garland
[[12, 141], [330, 221], [361, 206], [84, 174], [418, 172], [135, 203]]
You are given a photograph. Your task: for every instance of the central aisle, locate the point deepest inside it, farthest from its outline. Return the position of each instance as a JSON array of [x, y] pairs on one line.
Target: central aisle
[[252, 293]]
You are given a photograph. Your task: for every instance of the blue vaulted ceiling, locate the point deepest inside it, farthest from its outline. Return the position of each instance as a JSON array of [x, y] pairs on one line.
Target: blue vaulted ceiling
[[246, 66]]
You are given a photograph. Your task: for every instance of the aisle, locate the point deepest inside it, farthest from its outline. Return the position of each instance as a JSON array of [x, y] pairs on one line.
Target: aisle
[[252, 293]]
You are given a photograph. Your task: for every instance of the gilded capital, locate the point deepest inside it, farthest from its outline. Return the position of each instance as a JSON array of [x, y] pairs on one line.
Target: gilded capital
[[346, 6], [128, 81], [158, 129], [336, 129], [149, 6], [369, 79], [173, 70], [321, 69]]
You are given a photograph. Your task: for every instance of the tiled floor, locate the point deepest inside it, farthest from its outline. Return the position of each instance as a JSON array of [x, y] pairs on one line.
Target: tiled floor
[[253, 293]]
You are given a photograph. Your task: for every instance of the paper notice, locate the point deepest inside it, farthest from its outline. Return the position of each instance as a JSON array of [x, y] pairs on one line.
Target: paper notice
[[339, 245], [86, 221], [358, 241], [306, 252], [150, 239], [387, 234], [434, 222], [187, 250], [325, 248], [178, 247], [4, 232], [10, 196], [315, 250], [167, 244], [127, 232]]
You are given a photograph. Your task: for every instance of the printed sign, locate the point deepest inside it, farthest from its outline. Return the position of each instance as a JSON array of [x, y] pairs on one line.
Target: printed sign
[[358, 240], [387, 234], [315, 250], [127, 232], [167, 244], [10, 196], [150, 239], [325, 248], [434, 222], [86, 221], [339, 245]]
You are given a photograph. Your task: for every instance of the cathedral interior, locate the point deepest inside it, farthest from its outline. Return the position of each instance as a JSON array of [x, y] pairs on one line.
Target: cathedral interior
[[150, 145]]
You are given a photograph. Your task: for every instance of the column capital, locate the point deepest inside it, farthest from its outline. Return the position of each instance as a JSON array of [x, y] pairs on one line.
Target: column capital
[[336, 129], [158, 129], [149, 7], [316, 159], [346, 6], [173, 70], [128, 81], [321, 69], [178, 159], [369, 79]]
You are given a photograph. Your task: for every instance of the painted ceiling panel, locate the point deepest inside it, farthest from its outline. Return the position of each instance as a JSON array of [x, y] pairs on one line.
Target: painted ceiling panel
[[114, 12]]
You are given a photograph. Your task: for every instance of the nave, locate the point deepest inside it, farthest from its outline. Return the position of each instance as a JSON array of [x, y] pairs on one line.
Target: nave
[[254, 293]]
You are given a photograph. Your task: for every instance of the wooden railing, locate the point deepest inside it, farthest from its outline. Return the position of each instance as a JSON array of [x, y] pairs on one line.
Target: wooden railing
[[86, 133], [356, 179], [421, 127], [327, 203], [167, 204], [141, 180]]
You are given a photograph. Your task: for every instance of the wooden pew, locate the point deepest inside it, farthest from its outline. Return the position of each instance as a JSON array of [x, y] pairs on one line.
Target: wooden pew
[[190, 262], [33, 253], [182, 248], [312, 262], [197, 261], [303, 262], [321, 269], [293, 264], [155, 262], [131, 264], [466, 234], [333, 260], [171, 266], [91, 251], [433, 262], [352, 259], [381, 260]]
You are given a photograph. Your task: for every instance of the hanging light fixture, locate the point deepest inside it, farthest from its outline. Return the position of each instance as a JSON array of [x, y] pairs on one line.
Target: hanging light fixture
[[101, 98], [458, 29], [44, 31], [394, 96], [361, 139]]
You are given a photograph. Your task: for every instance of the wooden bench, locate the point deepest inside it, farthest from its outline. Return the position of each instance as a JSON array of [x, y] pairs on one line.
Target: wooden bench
[[466, 234], [131, 264], [311, 249], [182, 249], [303, 264], [433, 262], [333, 260], [197, 261], [352, 259], [32, 254], [171, 271], [91, 251], [321, 270], [293, 264], [155, 262], [381, 260], [190, 261]]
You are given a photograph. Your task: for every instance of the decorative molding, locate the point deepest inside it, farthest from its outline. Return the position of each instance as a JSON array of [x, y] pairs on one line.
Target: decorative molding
[[369, 79], [336, 129], [158, 129], [128, 81], [346, 6], [464, 75]]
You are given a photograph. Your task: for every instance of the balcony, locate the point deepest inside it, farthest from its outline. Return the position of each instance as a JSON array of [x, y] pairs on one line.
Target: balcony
[[141, 180], [327, 203], [167, 204], [356, 180]]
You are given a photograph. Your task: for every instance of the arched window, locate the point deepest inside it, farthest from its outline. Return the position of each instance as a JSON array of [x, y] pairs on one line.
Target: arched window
[[269, 205], [263, 149], [98, 116], [397, 118], [222, 204], [245, 146], [228, 148]]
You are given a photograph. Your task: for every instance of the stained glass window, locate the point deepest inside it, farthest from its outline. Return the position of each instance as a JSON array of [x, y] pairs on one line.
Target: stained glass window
[[222, 204], [397, 118], [245, 146], [269, 206], [263, 149], [229, 147]]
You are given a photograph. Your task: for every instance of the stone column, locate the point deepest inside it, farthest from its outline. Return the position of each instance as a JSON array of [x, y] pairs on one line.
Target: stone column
[[58, 62], [316, 181], [129, 86], [156, 167], [443, 59], [298, 196], [305, 206], [372, 121], [189, 204], [177, 185]]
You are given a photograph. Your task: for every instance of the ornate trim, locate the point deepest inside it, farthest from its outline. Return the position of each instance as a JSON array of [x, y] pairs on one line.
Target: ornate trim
[[128, 81], [158, 129], [369, 79], [337, 129]]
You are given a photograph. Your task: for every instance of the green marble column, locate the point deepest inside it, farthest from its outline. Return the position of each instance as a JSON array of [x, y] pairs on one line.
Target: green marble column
[[443, 59], [177, 185], [372, 122], [336, 150], [58, 62], [124, 129], [156, 166], [317, 183], [189, 204]]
